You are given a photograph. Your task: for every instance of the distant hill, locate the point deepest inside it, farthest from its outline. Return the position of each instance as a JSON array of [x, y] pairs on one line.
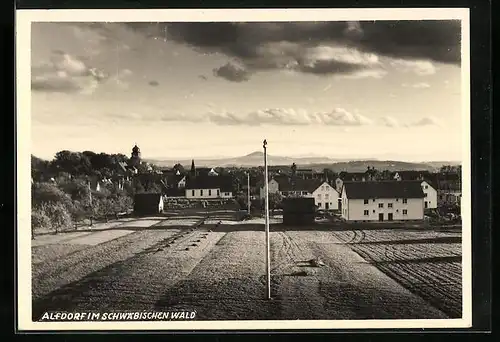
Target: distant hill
[[317, 163]]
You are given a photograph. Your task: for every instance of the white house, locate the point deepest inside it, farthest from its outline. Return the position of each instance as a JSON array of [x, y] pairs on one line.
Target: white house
[[212, 172], [273, 187], [209, 187], [382, 201], [325, 196], [430, 195]]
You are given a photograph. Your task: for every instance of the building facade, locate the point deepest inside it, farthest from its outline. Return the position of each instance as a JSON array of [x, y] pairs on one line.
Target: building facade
[[209, 187], [430, 196], [326, 197], [382, 201]]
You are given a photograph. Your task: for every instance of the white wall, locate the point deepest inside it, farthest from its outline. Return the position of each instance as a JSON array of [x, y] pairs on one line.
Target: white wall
[[353, 210], [202, 193], [226, 194], [414, 208], [326, 194], [160, 204], [273, 188], [431, 196]]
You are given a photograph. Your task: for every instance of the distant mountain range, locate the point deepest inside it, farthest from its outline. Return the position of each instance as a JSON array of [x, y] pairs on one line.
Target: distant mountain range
[[314, 162]]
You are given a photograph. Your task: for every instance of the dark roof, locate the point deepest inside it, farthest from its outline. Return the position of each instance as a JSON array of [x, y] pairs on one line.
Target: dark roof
[[224, 183], [173, 180], [175, 192], [411, 174], [298, 184], [383, 189], [146, 198], [351, 176]]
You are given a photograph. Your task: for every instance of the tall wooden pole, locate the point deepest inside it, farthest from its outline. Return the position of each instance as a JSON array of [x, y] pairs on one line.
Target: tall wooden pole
[[266, 208]]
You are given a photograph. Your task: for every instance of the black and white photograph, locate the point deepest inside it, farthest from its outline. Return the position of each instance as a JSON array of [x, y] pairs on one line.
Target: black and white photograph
[[243, 169]]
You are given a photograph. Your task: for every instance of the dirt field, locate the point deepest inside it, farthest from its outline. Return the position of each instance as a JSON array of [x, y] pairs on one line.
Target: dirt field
[[219, 271], [429, 263]]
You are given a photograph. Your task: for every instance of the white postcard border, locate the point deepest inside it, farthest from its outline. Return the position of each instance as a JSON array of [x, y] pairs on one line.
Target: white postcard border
[[24, 18]]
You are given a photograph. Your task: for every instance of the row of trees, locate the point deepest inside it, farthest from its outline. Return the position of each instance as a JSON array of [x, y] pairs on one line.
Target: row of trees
[[61, 195], [63, 206]]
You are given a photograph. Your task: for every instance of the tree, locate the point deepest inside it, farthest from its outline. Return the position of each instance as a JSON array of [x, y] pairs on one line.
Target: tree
[[58, 214], [49, 193], [39, 221], [275, 201], [153, 187], [178, 167]]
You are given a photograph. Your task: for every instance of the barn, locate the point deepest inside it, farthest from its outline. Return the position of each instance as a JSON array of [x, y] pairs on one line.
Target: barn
[[148, 204], [299, 211]]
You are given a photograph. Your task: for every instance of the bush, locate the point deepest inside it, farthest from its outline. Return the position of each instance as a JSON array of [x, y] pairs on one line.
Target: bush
[[40, 221], [58, 214]]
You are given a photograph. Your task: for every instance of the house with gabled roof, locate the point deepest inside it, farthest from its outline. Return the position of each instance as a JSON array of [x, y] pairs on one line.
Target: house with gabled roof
[[206, 187], [325, 196], [382, 201]]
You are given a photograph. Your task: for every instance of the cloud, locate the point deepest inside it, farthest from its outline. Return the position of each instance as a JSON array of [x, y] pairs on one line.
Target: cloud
[[232, 72], [291, 117], [419, 85], [419, 67], [65, 73], [154, 83], [389, 121], [374, 73], [321, 48], [68, 74], [427, 121], [203, 77]]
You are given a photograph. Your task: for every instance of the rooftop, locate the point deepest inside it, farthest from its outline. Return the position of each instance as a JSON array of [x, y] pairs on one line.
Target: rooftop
[[383, 189]]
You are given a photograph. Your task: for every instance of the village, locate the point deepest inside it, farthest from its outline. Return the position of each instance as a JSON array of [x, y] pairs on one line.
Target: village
[[406, 195], [142, 236]]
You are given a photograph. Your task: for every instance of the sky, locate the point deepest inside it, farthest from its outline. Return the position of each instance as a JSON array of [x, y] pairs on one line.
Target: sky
[[370, 89]]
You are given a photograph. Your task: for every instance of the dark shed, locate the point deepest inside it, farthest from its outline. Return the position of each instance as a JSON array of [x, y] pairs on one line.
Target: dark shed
[[148, 204], [299, 211]]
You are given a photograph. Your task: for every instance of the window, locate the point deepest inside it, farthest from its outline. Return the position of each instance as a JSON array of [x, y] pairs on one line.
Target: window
[[381, 205], [397, 199], [366, 212], [201, 192], [304, 192], [218, 192], [405, 201], [397, 210], [192, 193], [209, 192], [373, 210], [374, 200], [405, 212], [426, 187], [326, 196], [365, 201], [389, 205], [319, 204], [425, 194], [319, 196]]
